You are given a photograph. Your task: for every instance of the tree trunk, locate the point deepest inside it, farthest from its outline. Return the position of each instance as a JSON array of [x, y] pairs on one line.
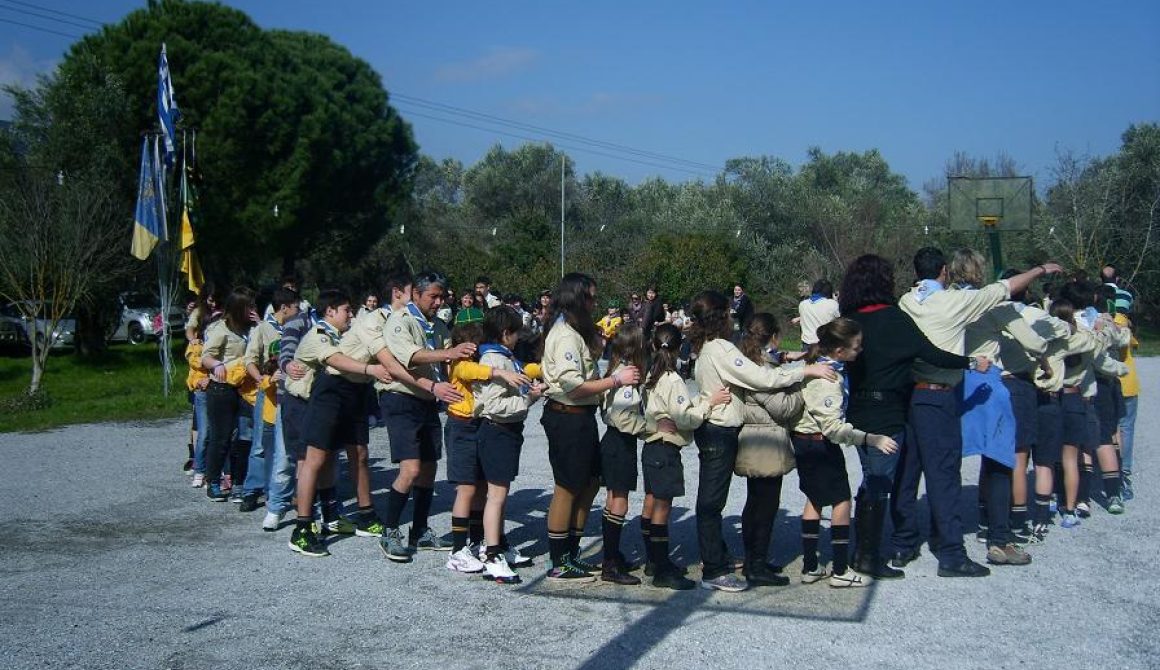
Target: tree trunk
[[92, 327], [37, 366]]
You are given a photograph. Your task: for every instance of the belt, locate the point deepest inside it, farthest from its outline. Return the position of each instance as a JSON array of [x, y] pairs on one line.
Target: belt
[[464, 419], [878, 395], [516, 428], [931, 386], [1025, 376], [812, 437], [1054, 395], [570, 409], [1071, 389]]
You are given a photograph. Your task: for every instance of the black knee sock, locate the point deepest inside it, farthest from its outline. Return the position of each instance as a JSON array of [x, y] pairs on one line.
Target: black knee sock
[[475, 527], [645, 529], [1111, 484], [574, 535], [1018, 516], [810, 530], [558, 543], [840, 546], [1087, 475], [303, 522], [611, 527], [493, 551], [423, 498], [190, 448], [328, 499], [396, 501], [658, 542], [459, 527], [1042, 513]]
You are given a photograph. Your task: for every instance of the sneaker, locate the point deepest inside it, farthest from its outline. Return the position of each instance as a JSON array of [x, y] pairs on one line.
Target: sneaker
[[1069, 521], [236, 496], [967, 568], [496, 569], [1115, 505], [305, 542], [272, 521], [368, 525], [902, 558], [1022, 534], [849, 579], [761, 575], [613, 573], [1039, 533], [215, 493], [728, 582], [567, 573], [981, 534], [673, 579], [429, 541], [650, 569], [393, 546], [249, 502], [1008, 554], [1083, 510], [198, 480], [1126, 487], [812, 576], [187, 467], [339, 526], [581, 564], [515, 559], [465, 561]]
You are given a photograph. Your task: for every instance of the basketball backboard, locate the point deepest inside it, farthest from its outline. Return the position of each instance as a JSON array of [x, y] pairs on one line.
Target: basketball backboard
[[989, 203]]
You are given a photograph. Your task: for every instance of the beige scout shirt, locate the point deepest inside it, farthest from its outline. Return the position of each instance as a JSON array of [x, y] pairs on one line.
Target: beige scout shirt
[[815, 315], [943, 318], [496, 401], [823, 413], [669, 398], [314, 348], [1077, 343], [404, 336], [223, 344], [364, 340], [261, 337], [1004, 336], [720, 363], [621, 408], [567, 364]]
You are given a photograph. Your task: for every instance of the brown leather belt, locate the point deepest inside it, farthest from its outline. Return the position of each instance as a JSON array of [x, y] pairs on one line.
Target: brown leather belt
[[812, 437], [931, 386], [570, 409], [1071, 389]]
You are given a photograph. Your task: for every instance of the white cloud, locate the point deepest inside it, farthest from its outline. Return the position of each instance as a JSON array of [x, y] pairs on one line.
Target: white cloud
[[499, 62], [20, 68]]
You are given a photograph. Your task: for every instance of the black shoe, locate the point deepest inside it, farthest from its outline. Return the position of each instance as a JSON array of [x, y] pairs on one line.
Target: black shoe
[[613, 573], [674, 580], [187, 467], [967, 568], [876, 568], [625, 564], [901, 558], [650, 569], [249, 502], [214, 492], [1022, 535], [760, 575]]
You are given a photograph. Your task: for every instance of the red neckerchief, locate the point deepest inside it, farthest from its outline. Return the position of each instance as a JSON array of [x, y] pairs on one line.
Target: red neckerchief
[[872, 308]]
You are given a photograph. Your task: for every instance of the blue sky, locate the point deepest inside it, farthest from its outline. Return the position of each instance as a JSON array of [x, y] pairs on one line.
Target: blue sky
[[704, 82]]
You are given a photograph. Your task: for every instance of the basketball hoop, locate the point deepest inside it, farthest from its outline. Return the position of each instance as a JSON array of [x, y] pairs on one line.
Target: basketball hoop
[[989, 221]]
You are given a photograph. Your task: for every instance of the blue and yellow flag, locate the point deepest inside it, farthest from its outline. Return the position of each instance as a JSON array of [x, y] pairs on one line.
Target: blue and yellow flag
[[147, 221], [189, 264]]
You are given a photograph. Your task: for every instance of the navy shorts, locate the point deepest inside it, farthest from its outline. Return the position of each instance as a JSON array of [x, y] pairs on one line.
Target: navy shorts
[[573, 447], [664, 474], [1108, 404], [499, 450], [1076, 431], [1048, 448], [821, 470], [618, 460], [336, 414], [463, 450], [412, 426], [1025, 406], [293, 422]]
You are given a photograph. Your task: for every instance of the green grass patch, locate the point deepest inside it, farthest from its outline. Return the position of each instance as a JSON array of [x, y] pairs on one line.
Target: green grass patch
[[123, 384]]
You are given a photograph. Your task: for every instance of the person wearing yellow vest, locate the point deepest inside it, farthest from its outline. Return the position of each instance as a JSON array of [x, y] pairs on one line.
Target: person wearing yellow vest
[[1130, 387]]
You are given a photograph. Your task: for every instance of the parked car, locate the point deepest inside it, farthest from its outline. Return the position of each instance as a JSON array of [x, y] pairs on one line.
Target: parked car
[[12, 335], [141, 319], [60, 338]]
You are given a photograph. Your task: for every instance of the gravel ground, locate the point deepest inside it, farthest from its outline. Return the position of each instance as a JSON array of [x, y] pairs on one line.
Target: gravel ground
[[113, 561]]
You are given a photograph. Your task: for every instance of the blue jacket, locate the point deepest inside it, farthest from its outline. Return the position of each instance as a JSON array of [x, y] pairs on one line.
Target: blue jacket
[[988, 422]]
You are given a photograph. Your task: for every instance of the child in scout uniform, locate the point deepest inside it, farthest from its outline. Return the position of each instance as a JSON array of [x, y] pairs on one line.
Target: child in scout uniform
[[335, 416], [821, 466], [419, 342], [623, 414], [671, 415], [501, 410], [463, 454]]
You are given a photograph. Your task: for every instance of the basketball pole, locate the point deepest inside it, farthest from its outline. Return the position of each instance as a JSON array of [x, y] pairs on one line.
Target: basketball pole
[[991, 223]]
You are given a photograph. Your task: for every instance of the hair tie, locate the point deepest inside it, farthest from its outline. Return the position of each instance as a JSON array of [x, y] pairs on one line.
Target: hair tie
[[664, 345]]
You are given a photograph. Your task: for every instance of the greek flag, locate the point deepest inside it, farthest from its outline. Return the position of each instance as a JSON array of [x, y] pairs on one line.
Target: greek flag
[[167, 111]]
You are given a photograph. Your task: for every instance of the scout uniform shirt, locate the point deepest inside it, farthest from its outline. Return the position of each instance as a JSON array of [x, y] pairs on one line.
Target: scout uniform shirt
[[815, 312], [405, 335], [223, 344], [621, 408], [721, 363], [825, 412], [263, 340], [496, 401], [317, 344], [361, 342], [669, 398], [942, 315], [567, 364], [464, 374], [1006, 338]]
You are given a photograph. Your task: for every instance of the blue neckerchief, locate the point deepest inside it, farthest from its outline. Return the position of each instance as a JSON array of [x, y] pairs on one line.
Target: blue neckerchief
[[428, 328], [814, 297], [963, 286], [926, 288], [493, 348], [335, 336], [840, 368], [559, 319], [772, 353], [1089, 316], [274, 322], [313, 317]]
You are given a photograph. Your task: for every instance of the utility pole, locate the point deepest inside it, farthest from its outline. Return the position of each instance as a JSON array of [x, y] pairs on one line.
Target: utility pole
[[562, 159]]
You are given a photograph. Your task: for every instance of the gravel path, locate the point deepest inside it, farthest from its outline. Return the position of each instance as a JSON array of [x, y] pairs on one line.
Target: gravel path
[[113, 561]]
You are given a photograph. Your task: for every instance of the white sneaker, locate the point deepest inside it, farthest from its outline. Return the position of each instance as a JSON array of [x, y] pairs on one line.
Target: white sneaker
[[815, 575], [464, 561], [849, 579], [272, 521], [198, 480], [497, 570], [515, 559]]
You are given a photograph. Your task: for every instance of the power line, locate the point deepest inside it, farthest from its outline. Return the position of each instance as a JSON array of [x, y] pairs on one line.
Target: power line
[[464, 112], [47, 17], [565, 146], [43, 30], [55, 11]]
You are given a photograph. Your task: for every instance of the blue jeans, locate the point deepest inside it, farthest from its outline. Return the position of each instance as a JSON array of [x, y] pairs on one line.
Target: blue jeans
[[202, 418], [1127, 432], [258, 472], [281, 472], [879, 469]]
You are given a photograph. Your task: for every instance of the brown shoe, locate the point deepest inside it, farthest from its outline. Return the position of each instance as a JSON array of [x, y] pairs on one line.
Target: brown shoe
[[1008, 554]]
